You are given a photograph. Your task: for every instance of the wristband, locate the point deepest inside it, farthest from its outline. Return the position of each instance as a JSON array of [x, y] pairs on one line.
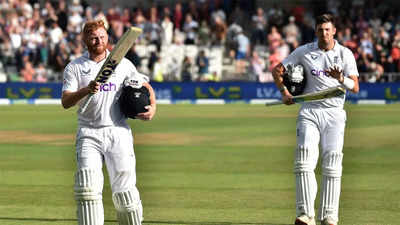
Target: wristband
[[283, 88], [348, 83]]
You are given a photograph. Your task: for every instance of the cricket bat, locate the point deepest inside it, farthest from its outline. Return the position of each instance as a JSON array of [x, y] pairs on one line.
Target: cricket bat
[[327, 93], [113, 59]]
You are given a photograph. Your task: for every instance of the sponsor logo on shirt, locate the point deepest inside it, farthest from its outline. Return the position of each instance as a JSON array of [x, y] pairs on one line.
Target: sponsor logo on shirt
[[318, 73], [84, 73], [314, 57], [336, 59], [108, 87]]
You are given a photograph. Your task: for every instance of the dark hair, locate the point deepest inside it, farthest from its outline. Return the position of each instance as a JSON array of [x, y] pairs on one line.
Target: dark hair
[[325, 18]]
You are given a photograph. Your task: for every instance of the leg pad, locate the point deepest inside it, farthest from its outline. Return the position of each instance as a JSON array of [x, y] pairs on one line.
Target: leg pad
[[129, 208], [88, 196]]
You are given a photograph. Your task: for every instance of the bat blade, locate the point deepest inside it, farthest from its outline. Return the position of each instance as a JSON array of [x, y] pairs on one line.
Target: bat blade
[[113, 59], [319, 95]]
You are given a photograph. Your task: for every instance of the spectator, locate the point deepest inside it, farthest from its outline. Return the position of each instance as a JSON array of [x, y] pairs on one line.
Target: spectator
[[15, 36], [204, 11], [77, 50], [178, 16], [75, 22], [154, 13], [158, 71], [202, 63], [258, 69], [41, 74], [27, 72], [152, 61], [193, 10], [139, 20], [186, 74], [62, 15], [366, 45], [238, 16], [28, 29], [242, 51], [274, 38], [219, 30], [76, 7], [375, 72], [395, 55], [190, 28], [168, 30], [126, 18], [292, 32], [259, 25], [56, 34], [204, 34], [6, 53], [153, 32], [61, 56]]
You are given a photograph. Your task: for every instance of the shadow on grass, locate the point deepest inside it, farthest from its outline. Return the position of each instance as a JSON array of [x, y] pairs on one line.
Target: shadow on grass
[[144, 222]]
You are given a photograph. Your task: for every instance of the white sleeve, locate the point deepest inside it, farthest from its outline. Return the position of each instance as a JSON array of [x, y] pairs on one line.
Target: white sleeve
[[350, 65], [293, 58], [136, 74], [70, 82], [144, 77]]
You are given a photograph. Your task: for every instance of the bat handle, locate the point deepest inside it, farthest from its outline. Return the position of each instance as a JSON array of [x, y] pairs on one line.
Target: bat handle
[[273, 103], [86, 102]]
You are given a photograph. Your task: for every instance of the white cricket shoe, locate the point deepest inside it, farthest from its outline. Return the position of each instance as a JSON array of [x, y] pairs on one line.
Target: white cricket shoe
[[304, 220], [328, 221]]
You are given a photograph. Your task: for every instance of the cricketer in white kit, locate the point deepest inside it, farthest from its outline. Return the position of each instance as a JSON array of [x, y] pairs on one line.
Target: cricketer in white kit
[[321, 123], [103, 134]]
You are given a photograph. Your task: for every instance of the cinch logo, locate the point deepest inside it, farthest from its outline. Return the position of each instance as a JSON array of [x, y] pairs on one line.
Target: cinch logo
[[318, 73], [108, 87]]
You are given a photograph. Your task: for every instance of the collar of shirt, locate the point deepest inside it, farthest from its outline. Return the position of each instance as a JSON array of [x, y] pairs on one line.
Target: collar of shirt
[[86, 55]]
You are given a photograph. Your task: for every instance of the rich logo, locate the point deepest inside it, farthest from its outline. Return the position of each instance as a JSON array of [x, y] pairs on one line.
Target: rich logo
[[108, 70], [318, 73], [108, 87], [314, 57]]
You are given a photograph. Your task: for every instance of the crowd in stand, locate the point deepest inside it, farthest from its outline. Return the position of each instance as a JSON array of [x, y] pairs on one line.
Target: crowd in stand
[[38, 40]]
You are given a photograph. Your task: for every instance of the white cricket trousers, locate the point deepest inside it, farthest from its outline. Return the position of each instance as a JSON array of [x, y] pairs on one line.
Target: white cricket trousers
[[114, 146], [319, 127]]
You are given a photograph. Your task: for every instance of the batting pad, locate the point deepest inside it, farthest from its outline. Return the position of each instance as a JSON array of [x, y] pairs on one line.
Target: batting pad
[[129, 208], [88, 188], [331, 184], [332, 164], [306, 184]]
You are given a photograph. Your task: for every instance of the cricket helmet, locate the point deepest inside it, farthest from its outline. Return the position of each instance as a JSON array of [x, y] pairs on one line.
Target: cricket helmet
[[294, 79], [134, 98]]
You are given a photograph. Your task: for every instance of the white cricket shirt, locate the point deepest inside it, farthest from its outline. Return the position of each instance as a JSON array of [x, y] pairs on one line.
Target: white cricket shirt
[[103, 110], [315, 61]]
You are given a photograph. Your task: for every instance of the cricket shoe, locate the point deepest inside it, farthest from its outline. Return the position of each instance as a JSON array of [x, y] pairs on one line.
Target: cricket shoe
[[328, 221], [304, 220]]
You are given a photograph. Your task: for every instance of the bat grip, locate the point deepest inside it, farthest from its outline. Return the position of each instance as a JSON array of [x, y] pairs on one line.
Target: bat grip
[[86, 102]]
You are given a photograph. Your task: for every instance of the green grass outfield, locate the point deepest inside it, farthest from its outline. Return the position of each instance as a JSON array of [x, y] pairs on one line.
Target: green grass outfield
[[200, 164]]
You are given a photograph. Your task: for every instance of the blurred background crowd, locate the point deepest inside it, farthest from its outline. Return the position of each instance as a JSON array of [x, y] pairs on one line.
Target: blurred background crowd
[[196, 40]]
